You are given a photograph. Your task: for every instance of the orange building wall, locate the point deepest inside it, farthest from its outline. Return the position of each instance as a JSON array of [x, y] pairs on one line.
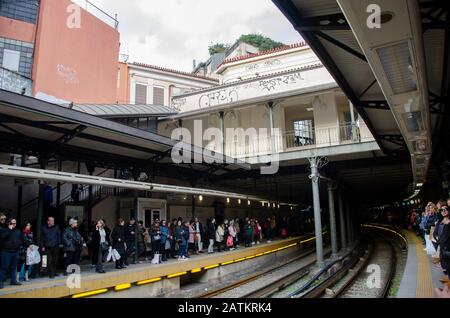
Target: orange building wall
[[16, 30], [78, 64], [124, 84]]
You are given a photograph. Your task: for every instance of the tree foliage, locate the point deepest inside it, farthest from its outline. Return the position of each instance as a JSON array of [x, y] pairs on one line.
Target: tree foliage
[[217, 48], [260, 41]]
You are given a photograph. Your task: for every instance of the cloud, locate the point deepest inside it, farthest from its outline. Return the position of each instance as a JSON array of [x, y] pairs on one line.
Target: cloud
[[171, 33]]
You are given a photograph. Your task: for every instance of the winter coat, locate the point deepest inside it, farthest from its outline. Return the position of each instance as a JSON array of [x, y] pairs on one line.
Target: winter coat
[[11, 240], [50, 236], [192, 233], [210, 231], [219, 234], [164, 233], [248, 230], [118, 238], [96, 239], [184, 235], [444, 243], [232, 230], [27, 241], [155, 233], [129, 229], [72, 240]]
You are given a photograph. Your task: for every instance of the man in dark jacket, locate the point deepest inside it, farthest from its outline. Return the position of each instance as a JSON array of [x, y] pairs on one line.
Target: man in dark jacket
[[50, 241], [12, 240], [73, 242], [130, 232]]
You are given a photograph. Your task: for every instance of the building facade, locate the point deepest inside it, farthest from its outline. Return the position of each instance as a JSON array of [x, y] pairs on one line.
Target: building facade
[[48, 49]]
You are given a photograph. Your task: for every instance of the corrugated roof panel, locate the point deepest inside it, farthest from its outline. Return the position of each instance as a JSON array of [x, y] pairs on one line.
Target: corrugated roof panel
[[313, 8], [116, 110]]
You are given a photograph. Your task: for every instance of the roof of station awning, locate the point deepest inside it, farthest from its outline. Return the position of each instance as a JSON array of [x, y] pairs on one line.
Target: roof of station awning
[[125, 110], [348, 66], [29, 125], [326, 28]]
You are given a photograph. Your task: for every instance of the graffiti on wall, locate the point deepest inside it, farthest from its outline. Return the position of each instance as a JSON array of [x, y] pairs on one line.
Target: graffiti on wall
[[262, 65], [68, 74], [273, 83], [14, 82], [224, 96]]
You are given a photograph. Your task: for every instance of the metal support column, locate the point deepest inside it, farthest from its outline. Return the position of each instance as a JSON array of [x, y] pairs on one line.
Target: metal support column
[[316, 199], [19, 197], [270, 106], [333, 234], [352, 118], [91, 169], [136, 225], [349, 224], [40, 209], [58, 196], [222, 130], [342, 223]]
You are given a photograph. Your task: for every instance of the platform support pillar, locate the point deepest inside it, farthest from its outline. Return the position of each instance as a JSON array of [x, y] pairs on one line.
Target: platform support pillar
[[349, 225], [222, 130], [316, 199], [342, 222], [40, 208], [333, 234]]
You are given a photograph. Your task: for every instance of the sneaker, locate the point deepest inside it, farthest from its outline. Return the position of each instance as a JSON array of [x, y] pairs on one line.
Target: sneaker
[[16, 284]]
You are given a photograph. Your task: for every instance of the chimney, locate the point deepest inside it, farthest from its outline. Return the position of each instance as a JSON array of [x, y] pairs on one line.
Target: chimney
[[194, 63]]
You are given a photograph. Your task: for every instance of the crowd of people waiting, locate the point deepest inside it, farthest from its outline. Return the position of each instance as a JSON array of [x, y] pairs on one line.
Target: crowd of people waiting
[[433, 225], [177, 239]]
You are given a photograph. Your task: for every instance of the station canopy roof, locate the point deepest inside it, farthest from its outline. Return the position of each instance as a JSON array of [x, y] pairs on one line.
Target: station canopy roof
[[35, 127], [125, 110], [325, 27]]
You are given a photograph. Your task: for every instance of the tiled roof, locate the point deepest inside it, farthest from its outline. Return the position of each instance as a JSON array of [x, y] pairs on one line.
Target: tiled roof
[[279, 49], [159, 68]]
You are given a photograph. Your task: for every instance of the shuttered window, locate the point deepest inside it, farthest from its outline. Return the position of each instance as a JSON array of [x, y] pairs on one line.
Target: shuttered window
[[141, 94], [158, 96]]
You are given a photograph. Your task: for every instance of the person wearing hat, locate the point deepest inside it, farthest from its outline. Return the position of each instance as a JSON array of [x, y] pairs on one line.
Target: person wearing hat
[[73, 242]]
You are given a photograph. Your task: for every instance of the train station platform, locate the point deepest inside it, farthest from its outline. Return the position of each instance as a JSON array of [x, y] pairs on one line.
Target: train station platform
[[155, 278], [421, 276]]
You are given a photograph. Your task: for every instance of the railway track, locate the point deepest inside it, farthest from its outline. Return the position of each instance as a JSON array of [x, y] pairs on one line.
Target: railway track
[[265, 283], [369, 276]]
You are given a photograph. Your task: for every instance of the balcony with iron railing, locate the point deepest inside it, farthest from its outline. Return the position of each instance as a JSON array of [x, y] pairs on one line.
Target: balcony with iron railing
[[297, 140]]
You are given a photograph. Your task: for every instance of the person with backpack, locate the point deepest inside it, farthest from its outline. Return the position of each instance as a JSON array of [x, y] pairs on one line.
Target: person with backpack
[[164, 239]]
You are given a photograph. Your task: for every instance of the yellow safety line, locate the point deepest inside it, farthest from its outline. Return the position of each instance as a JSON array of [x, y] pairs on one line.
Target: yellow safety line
[[195, 270], [424, 285], [91, 293], [148, 281]]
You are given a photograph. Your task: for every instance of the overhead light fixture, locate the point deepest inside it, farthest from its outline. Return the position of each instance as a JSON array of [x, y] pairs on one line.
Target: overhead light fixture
[[309, 109], [228, 200], [262, 203], [248, 202], [239, 201], [396, 61], [200, 198]]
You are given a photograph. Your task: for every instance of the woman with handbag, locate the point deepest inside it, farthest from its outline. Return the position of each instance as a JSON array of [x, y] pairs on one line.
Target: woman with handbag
[[118, 237], [100, 245]]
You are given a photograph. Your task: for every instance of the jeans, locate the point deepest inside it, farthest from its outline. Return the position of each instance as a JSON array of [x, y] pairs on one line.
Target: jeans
[[9, 262], [211, 246], [183, 250]]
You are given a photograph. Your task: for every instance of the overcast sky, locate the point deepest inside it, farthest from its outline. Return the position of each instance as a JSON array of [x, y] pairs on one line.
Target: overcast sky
[[171, 33]]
